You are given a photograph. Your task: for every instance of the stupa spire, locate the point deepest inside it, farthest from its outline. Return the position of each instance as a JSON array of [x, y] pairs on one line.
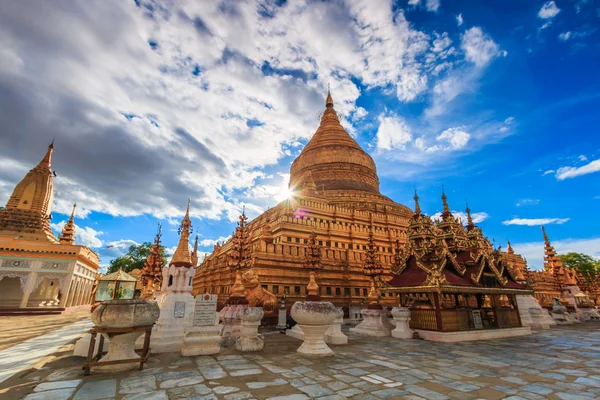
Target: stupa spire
[[47, 160], [152, 272], [68, 232], [329, 99], [446, 213], [195, 253], [470, 224], [510, 250], [417, 206], [182, 256]]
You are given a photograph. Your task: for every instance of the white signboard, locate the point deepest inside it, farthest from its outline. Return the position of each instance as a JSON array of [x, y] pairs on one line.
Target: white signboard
[[477, 319], [179, 311], [206, 308]]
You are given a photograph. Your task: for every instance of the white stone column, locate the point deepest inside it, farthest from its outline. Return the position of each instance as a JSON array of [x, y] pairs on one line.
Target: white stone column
[[401, 317], [29, 287], [249, 339], [334, 334]]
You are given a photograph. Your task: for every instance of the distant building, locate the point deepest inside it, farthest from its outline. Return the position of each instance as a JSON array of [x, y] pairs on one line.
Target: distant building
[[37, 270]]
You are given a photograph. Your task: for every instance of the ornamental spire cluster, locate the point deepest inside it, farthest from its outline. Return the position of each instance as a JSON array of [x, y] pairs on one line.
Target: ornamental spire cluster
[[312, 259], [151, 274], [372, 266], [68, 232], [239, 258]]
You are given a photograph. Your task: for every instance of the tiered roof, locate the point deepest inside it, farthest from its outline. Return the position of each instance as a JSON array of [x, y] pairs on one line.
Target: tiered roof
[[445, 254], [68, 232]]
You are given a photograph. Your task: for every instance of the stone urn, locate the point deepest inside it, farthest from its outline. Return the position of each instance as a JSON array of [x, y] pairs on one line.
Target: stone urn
[[402, 318], [314, 318], [249, 339], [123, 314]]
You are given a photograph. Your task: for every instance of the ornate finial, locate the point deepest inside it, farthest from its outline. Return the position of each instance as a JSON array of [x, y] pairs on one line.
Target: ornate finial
[[329, 100], [67, 235], [52, 144], [545, 235], [417, 206], [470, 224], [181, 257], [73, 212], [509, 249], [444, 201], [47, 160]]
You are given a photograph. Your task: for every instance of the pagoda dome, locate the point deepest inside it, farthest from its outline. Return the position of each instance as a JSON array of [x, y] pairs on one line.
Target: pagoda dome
[[334, 160]]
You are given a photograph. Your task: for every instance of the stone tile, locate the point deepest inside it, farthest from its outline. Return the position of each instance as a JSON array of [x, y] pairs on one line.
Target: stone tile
[[155, 395], [356, 371], [332, 397], [557, 377], [426, 393], [95, 390], [60, 394], [350, 392], [245, 372], [64, 374], [225, 389], [212, 372], [171, 383], [177, 375], [346, 378], [588, 382], [57, 385], [512, 379], [302, 369], [260, 385], [290, 397], [389, 393], [137, 384], [239, 396], [336, 385], [571, 396], [316, 390]]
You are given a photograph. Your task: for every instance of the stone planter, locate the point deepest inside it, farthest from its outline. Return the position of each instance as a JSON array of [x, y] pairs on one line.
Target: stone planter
[[402, 318], [123, 314], [249, 339], [232, 323], [314, 318], [375, 323]]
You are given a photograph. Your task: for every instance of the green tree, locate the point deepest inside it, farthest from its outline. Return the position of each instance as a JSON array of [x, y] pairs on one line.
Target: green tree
[[135, 258], [582, 263]]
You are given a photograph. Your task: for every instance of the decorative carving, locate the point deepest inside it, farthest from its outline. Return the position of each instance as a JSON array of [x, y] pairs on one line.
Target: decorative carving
[[50, 275], [55, 265], [16, 274], [12, 263], [255, 294]]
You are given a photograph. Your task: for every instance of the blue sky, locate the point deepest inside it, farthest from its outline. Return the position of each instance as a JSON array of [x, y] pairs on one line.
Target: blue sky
[[154, 102]]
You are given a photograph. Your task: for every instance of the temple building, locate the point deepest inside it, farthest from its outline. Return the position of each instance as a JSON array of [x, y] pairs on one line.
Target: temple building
[[38, 272], [456, 284], [335, 195]]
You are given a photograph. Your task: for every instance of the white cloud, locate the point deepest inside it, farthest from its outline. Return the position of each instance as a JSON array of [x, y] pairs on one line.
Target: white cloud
[[479, 48], [84, 236], [459, 19], [212, 242], [117, 248], [571, 172], [534, 251], [477, 217], [393, 133], [549, 10], [564, 36], [548, 172], [456, 137], [433, 5], [360, 113], [528, 202], [582, 158], [535, 221]]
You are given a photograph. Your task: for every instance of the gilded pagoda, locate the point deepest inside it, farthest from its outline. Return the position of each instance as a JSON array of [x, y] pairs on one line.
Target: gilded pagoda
[[335, 195], [38, 272]]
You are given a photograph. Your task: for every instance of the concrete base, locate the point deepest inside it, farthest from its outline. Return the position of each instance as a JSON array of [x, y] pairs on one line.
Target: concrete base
[[201, 340], [231, 324], [354, 314], [375, 323], [82, 346], [168, 332], [538, 321], [249, 339], [121, 347], [295, 332], [282, 319], [464, 336], [334, 334], [402, 319]]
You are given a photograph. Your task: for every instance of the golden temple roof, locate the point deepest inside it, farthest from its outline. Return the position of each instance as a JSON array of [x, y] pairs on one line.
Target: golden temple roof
[[182, 256], [28, 210]]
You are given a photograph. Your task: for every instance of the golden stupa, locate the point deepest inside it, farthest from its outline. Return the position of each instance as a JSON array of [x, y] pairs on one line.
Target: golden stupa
[[335, 194]]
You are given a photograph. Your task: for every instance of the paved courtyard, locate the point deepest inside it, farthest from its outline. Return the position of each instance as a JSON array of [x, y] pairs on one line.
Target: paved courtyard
[[563, 363]]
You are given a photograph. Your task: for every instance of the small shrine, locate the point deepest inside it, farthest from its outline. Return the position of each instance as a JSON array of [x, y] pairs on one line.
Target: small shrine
[[457, 286]]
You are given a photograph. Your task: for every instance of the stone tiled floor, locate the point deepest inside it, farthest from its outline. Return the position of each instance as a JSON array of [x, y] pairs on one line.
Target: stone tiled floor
[[563, 363]]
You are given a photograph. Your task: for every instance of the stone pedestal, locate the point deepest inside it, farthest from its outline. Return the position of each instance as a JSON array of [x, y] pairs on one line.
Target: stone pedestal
[[123, 314], [249, 339], [536, 319], [201, 340], [176, 311], [526, 303], [282, 318], [296, 332], [82, 346], [354, 313], [560, 314], [402, 318], [231, 323], [334, 334], [314, 318], [588, 313], [374, 323]]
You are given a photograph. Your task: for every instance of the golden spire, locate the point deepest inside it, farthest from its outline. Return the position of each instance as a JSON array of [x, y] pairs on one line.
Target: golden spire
[[417, 206], [510, 250], [68, 232], [446, 212], [470, 224], [47, 160], [151, 274], [195, 253], [182, 257], [545, 235], [329, 100]]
